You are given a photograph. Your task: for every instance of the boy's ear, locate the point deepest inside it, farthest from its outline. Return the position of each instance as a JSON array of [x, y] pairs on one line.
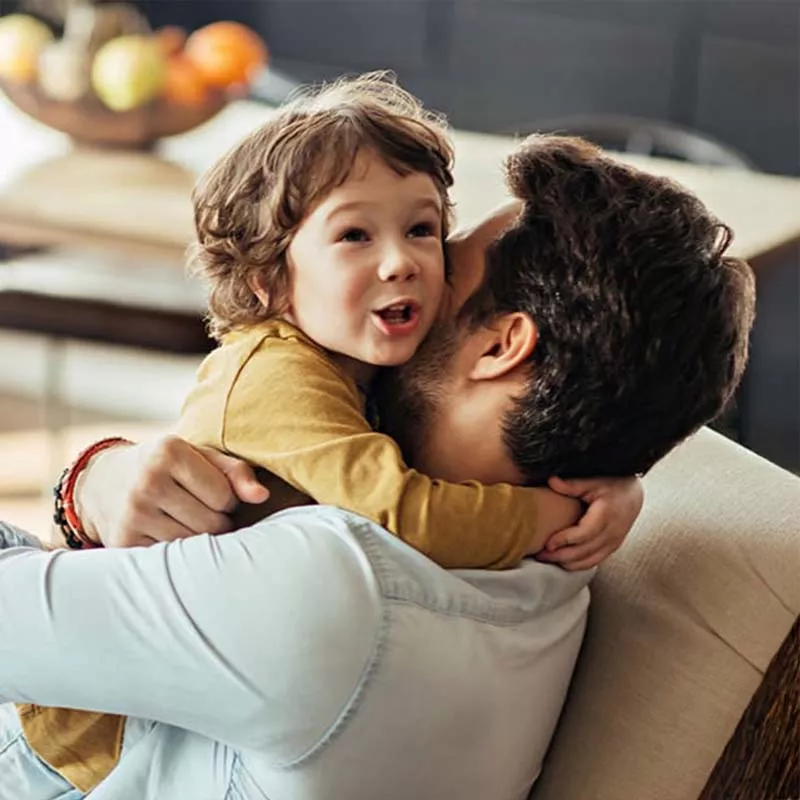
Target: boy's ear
[[508, 343], [255, 282]]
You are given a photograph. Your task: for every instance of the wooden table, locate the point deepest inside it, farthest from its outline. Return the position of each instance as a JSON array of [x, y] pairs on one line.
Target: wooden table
[[138, 205]]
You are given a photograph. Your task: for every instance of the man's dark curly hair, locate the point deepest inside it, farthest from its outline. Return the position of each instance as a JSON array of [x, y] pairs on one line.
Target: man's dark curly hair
[[643, 320]]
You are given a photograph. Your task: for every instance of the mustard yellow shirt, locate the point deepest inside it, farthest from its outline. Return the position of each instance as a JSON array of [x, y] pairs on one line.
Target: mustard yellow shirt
[[272, 396]]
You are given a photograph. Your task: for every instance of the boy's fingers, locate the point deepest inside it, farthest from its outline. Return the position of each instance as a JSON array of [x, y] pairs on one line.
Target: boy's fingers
[[573, 554], [591, 561], [589, 526], [569, 536], [561, 486], [576, 487]]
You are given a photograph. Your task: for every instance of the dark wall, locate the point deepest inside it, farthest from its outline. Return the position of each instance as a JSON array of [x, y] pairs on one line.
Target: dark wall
[[726, 67]]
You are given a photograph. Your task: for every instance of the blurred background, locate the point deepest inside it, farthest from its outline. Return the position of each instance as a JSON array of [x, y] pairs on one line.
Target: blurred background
[[706, 81], [727, 68]]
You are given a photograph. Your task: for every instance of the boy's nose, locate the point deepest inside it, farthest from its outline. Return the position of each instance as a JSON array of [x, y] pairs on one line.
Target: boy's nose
[[397, 266]]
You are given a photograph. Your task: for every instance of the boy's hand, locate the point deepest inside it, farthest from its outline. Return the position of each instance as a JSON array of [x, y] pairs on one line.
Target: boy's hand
[[614, 504]]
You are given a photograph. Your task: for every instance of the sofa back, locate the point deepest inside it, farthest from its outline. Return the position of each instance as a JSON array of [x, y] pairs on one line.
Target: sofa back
[[685, 619]]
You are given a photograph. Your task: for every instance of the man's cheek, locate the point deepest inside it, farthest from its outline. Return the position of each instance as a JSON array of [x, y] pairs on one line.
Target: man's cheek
[[446, 310]]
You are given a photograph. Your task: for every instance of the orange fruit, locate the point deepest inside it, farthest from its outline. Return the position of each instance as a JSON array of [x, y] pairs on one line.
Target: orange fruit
[[170, 39], [226, 53], [183, 83]]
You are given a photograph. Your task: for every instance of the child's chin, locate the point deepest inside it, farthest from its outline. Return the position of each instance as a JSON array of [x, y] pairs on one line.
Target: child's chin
[[396, 360]]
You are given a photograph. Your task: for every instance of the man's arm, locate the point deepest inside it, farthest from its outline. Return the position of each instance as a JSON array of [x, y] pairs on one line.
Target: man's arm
[[256, 639]]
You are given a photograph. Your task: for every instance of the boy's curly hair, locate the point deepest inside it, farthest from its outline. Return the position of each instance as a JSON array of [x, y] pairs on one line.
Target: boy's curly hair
[[643, 318], [250, 203]]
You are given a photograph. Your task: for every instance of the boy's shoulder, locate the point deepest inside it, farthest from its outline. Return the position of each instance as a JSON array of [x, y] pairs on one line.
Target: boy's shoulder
[[271, 330], [272, 339], [274, 346]]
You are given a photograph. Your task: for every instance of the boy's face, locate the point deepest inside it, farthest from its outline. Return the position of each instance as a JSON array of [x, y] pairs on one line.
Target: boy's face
[[367, 264]]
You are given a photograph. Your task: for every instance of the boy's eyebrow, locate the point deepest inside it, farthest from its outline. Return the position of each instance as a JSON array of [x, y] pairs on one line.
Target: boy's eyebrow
[[434, 202]]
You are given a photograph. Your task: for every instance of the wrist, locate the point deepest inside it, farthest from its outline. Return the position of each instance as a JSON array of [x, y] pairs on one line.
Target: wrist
[[86, 509], [73, 516]]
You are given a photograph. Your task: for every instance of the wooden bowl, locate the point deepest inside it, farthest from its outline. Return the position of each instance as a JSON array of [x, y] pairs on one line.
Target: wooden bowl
[[89, 122]]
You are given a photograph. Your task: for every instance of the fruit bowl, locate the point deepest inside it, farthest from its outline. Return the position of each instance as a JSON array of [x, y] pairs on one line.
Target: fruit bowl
[[110, 80], [88, 122]]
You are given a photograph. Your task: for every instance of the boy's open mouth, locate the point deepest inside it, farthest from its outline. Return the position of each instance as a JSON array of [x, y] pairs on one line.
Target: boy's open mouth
[[398, 318], [397, 313]]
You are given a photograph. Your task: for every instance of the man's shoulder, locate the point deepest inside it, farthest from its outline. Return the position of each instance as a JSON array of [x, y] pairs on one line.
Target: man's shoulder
[[348, 559], [356, 556], [320, 546]]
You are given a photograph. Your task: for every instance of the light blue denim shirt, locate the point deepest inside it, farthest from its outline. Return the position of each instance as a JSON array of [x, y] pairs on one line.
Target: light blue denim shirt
[[310, 657]]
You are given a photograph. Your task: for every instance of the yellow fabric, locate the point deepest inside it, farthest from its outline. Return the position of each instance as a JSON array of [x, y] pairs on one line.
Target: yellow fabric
[[273, 397], [83, 746]]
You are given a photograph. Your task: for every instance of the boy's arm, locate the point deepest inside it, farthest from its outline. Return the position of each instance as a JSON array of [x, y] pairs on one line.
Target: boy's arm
[[613, 506], [290, 411]]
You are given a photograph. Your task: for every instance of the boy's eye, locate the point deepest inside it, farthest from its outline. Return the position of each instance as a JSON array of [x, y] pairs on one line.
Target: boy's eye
[[423, 229], [354, 235]]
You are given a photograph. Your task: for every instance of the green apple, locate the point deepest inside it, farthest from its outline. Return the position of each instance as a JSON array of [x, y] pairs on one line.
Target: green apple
[[22, 39], [128, 71]]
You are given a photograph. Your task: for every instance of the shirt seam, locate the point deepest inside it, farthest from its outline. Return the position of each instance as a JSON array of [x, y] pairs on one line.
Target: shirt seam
[[353, 704], [223, 428]]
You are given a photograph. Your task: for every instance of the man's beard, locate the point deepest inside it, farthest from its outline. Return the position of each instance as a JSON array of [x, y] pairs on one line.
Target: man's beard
[[410, 396]]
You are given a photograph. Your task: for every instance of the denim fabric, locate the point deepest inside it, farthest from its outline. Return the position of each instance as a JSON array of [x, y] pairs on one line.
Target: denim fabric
[[312, 656], [11, 536], [23, 775]]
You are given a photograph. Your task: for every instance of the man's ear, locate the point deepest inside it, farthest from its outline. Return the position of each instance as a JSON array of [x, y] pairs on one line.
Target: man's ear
[[508, 343], [255, 282]]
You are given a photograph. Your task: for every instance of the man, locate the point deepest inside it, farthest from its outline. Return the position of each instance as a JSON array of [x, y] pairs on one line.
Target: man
[[314, 655]]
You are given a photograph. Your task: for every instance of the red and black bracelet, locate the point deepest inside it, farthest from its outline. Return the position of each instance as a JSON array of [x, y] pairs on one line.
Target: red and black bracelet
[[64, 514]]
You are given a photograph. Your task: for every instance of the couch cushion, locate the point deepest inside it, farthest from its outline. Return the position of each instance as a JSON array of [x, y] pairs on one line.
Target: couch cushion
[[684, 622]]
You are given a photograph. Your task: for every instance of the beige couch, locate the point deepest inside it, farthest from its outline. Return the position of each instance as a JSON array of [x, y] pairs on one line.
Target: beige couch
[[684, 622]]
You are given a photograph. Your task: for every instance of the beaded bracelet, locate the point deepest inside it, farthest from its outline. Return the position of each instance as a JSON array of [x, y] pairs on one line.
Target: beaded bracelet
[[64, 514]]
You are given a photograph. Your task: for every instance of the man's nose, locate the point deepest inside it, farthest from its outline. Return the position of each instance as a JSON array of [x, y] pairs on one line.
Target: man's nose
[[398, 264]]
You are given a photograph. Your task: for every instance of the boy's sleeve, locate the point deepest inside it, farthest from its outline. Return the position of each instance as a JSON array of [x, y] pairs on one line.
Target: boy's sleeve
[[291, 411]]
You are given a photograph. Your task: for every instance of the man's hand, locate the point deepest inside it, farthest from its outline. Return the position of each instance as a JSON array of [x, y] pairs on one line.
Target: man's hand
[[614, 504], [163, 490]]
